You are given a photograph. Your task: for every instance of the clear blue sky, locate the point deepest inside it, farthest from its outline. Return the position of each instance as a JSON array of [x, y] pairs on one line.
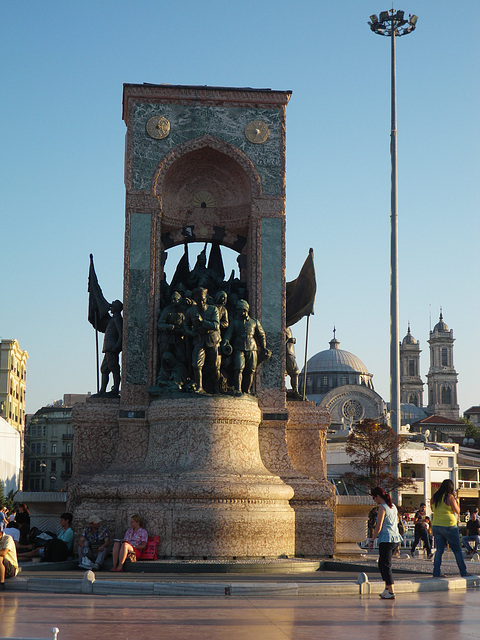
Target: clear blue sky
[[63, 65]]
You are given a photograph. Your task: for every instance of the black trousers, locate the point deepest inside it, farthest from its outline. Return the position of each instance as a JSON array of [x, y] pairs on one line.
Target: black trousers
[[385, 553], [423, 535]]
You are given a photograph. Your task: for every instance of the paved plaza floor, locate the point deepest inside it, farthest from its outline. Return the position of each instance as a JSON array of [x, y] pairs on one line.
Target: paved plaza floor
[[429, 616]]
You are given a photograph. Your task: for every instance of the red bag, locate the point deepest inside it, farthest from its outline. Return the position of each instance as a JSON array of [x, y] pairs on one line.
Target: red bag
[[150, 552]]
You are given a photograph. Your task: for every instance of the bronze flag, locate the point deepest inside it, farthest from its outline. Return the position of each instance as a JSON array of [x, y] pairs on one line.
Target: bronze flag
[[301, 292]]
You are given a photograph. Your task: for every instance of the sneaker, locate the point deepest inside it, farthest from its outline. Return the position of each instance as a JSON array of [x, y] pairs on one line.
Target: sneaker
[[96, 567], [429, 556], [387, 596]]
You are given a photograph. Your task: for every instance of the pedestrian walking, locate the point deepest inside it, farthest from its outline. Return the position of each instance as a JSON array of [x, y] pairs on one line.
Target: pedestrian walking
[[421, 532], [386, 529]]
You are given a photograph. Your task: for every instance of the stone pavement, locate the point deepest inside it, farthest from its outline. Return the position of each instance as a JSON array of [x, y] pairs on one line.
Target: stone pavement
[[244, 605], [429, 616], [354, 576]]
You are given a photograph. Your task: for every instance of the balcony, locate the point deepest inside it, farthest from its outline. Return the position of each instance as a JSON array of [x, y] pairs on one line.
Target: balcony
[[66, 455], [67, 436], [468, 484]]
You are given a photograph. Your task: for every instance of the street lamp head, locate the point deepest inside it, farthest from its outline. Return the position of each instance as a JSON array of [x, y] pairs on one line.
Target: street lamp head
[[392, 23]]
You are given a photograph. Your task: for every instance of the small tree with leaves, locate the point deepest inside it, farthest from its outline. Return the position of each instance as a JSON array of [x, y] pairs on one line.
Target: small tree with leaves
[[373, 448], [7, 500], [471, 430]]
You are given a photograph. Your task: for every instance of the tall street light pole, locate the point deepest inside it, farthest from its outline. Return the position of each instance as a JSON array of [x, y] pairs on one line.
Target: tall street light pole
[[393, 24]]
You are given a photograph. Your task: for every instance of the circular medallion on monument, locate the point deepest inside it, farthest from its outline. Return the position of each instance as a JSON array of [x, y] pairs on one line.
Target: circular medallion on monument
[[158, 127], [353, 409], [257, 132]]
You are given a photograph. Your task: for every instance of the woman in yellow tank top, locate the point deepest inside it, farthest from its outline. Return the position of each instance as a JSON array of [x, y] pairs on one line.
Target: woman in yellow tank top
[[445, 508]]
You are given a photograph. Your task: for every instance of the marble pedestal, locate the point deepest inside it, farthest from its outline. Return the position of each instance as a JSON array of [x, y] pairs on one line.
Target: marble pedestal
[[295, 449], [191, 467]]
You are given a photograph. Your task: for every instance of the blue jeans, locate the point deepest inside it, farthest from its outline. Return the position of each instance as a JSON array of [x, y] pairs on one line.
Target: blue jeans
[[466, 539], [442, 536]]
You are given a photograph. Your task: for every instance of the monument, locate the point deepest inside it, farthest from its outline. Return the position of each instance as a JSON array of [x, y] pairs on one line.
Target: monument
[[202, 440]]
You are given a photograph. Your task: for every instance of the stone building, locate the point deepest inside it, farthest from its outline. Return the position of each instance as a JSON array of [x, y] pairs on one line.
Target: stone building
[[411, 385], [13, 375], [338, 381], [49, 446], [473, 415], [442, 377]]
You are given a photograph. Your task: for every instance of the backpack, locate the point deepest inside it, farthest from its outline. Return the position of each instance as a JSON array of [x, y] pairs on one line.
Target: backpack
[[55, 551], [401, 527]]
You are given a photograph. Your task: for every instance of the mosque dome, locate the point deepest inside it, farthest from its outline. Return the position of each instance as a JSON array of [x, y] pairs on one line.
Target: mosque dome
[[334, 368], [441, 327], [336, 360]]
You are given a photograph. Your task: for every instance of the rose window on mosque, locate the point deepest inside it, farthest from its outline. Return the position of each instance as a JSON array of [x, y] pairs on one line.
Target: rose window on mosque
[[353, 410]]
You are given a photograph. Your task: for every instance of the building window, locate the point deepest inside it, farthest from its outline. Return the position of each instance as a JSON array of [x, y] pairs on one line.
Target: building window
[[68, 447], [444, 357], [446, 395], [411, 367], [53, 466], [54, 447]]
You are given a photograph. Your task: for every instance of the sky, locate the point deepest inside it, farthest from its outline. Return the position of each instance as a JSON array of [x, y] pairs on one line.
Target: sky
[[63, 65]]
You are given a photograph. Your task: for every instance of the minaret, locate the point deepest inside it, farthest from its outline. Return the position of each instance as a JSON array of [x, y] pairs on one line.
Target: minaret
[[442, 377], [411, 385]]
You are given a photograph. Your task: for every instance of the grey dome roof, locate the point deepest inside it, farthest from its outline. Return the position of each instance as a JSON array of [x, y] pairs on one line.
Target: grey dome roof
[[441, 327], [409, 339], [337, 360]]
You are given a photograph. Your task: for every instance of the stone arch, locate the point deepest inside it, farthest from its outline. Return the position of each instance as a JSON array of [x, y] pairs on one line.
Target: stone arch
[[203, 142], [209, 184]]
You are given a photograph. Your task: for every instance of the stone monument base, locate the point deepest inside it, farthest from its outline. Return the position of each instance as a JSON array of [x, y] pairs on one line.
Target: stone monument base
[[191, 467]]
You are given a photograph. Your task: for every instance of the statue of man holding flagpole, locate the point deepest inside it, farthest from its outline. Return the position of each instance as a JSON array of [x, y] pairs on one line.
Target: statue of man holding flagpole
[[112, 326]]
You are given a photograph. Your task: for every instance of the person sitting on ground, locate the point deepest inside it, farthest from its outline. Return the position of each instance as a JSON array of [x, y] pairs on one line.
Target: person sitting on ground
[[134, 542], [8, 559], [14, 532], [473, 533], [53, 551], [93, 543]]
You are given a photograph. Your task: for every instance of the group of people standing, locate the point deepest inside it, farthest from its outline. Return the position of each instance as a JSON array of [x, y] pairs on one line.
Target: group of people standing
[[445, 508]]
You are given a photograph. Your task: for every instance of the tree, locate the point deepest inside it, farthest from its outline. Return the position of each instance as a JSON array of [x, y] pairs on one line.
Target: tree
[[471, 430], [373, 447], [7, 500]]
